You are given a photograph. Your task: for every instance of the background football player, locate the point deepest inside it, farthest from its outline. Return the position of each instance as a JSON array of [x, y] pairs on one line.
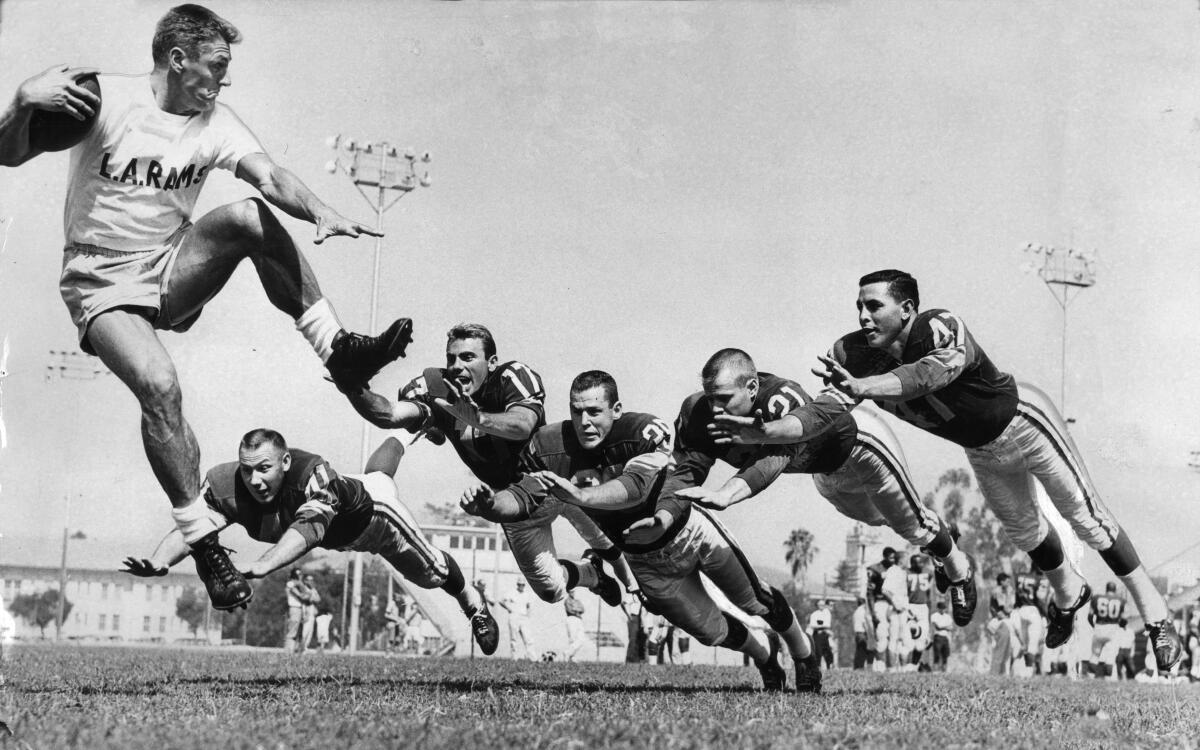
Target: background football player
[[1107, 612], [926, 368], [296, 501]]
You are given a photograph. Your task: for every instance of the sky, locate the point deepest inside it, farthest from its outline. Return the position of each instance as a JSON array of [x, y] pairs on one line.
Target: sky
[[632, 186]]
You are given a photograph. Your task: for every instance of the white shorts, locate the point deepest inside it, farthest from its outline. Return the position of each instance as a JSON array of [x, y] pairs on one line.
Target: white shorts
[[96, 279], [1030, 627], [873, 485], [670, 578], [394, 535], [532, 545], [1036, 445], [1104, 643]]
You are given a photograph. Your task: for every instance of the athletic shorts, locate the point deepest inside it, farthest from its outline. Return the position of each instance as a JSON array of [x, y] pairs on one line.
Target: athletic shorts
[[394, 535], [96, 279]]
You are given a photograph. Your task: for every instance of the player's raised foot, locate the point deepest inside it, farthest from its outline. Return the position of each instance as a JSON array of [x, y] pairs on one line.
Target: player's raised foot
[[357, 358], [963, 597], [1060, 623], [1165, 641], [485, 630], [773, 675], [227, 588], [607, 587], [808, 674]]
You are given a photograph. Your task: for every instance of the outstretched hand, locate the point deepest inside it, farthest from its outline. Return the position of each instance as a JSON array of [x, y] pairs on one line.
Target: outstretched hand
[[477, 500], [559, 487], [56, 89], [143, 568], [727, 429], [336, 225], [833, 374], [705, 498]]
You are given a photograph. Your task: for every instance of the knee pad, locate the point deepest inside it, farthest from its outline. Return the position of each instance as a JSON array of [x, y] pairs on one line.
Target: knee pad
[[735, 635], [779, 615]]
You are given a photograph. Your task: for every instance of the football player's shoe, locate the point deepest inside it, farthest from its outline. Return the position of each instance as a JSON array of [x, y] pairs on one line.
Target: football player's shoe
[[940, 579], [808, 674], [607, 587], [1060, 623], [485, 630], [773, 675], [1165, 642], [964, 597], [356, 358], [227, 587]]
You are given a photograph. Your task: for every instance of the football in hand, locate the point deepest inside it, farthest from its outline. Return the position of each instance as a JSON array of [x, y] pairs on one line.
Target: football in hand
[[56, 131]]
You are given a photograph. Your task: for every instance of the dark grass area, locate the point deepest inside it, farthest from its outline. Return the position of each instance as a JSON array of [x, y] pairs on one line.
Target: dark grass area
[[159, 698]]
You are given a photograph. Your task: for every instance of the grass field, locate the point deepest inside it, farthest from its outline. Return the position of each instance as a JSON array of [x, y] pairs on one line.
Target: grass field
[[158, 698]]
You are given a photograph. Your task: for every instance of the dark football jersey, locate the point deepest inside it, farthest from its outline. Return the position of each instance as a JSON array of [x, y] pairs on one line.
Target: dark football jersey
[[759, 465], [960, 395], [875, 575], [636, 452], [1026, 590], [919, 584], [1107, 609], [493, 459], [329, 510]]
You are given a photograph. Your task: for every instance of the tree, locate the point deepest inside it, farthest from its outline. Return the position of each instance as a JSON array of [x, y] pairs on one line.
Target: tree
[[800, 552], [40, 609], [192, 607]]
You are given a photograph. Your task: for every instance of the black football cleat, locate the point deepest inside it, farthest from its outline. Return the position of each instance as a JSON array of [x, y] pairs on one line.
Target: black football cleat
[[964, 597], [1165, 642], [607, 587], [808, 674], [773, 675], [1060, 623], [485, 630], [227, 587], [357, 358]]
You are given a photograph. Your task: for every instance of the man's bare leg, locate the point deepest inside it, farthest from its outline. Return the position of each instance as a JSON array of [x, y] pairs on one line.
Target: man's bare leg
[[225, 236]]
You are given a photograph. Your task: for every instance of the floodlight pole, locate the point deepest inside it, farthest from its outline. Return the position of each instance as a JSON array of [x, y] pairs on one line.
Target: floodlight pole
[[364, 172], [1066, 272]]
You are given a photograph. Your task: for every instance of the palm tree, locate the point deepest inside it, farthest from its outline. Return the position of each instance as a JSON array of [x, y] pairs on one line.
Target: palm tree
[[800, 552]]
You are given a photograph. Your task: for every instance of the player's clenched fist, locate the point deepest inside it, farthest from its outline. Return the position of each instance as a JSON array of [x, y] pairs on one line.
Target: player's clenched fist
[[477, 500]]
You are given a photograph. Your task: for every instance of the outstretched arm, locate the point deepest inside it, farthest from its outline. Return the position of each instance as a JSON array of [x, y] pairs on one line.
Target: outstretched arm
[[385, 413], [285, 191], [54, 90], [290, 548], [169, 551]]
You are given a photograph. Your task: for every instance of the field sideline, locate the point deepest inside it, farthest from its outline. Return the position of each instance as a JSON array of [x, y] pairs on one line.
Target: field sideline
[[81, 697]]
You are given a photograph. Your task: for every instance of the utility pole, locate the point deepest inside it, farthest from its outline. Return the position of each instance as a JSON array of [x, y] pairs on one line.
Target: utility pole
[[381, 167]]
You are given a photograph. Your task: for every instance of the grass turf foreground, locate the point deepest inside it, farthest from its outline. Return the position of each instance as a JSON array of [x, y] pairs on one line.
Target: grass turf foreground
[[78, 697]]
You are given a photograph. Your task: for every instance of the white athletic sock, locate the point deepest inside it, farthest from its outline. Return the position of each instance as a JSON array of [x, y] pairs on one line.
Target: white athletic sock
[[756, 646], [797, 640], [1147, 598], [469, 600], [319, 325], [193, 520], [957, 566], [1066, 584]]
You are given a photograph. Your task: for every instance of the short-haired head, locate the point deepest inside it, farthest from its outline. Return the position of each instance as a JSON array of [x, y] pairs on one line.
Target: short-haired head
[[734, 361], [585, 381], [473, 331], [1110, 587], [187, 27], [1001, 577], [900, 285], [260, 436]]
